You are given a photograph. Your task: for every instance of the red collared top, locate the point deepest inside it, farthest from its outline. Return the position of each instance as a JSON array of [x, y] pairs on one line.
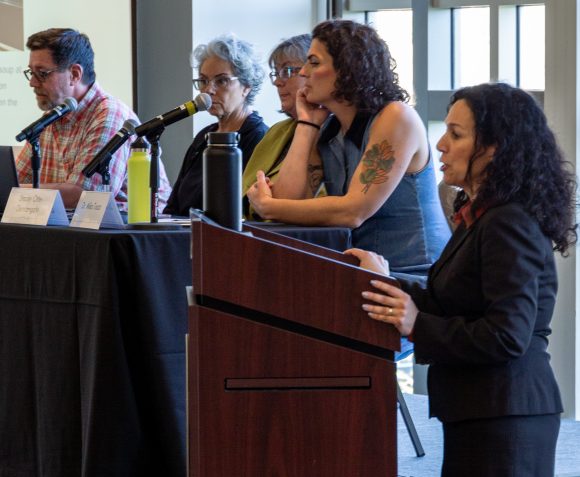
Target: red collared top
[[466, 215]]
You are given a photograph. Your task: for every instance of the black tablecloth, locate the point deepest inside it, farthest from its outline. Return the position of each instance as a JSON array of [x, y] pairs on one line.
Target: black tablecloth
[[92, 329], [92, 364]]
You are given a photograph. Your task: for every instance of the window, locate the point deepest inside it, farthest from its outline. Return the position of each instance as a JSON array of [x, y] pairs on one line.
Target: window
[[396, 28], [470, 46], [532, 46]]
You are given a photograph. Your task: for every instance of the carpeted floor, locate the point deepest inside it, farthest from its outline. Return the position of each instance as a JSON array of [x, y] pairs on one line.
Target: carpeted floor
[[429, 430]]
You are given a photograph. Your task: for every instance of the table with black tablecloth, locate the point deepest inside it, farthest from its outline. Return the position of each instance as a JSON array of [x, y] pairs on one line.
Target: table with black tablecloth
[[92, 366]]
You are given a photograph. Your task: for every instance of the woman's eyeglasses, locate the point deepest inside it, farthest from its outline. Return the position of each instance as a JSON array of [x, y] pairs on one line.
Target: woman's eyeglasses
[[219, 82], [284, 73]]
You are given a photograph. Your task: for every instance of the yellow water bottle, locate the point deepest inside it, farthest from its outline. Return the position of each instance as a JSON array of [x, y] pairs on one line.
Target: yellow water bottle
[[138, 184]]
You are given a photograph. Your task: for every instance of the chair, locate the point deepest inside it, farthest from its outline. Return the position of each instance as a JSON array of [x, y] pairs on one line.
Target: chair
[[406, 350]]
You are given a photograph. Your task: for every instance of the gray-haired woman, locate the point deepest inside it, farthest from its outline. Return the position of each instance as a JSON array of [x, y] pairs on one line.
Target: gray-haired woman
[[286, 60], [230, 72]]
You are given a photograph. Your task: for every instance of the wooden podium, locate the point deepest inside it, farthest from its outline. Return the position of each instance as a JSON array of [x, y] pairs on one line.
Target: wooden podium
[[287, 376]]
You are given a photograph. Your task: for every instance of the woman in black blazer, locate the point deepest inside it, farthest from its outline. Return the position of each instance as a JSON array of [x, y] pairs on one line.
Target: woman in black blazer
[[483, 322]]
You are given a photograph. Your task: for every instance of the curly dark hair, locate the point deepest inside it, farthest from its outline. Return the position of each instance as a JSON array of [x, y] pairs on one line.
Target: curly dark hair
[[67, 47], [527, 167], [365, 69]]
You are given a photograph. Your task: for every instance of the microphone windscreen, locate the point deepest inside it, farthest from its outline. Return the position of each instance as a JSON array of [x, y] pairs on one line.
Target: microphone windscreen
[[71, 103], [202, 101], [130, 126]]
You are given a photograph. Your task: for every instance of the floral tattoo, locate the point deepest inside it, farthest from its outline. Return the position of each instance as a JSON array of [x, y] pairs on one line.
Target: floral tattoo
[[378, 162], [315, 173]]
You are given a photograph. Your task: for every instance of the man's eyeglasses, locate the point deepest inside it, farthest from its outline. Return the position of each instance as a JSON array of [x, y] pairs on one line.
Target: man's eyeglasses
[[39, 75], [284, 73], [219, 82]]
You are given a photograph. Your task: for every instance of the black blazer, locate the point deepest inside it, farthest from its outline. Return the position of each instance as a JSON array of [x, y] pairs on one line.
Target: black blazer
[[485, 318]]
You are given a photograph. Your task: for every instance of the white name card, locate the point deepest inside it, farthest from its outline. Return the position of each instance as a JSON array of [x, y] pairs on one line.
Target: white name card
[[35, 207], [95, 210]]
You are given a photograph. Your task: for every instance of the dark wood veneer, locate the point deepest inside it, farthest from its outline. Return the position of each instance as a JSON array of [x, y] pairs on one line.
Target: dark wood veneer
[[266, 399]]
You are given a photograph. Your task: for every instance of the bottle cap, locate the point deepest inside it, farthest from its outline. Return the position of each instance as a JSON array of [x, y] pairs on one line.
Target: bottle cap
[[222, 138], [140, 143]]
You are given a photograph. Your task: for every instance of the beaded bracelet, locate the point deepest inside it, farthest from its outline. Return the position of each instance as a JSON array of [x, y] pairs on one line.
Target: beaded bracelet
[[308, 123]]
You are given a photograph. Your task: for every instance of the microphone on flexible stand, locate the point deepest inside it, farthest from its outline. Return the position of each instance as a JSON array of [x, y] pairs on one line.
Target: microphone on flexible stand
[[202, 102], [33, 130], [100, 162], [153, 129]]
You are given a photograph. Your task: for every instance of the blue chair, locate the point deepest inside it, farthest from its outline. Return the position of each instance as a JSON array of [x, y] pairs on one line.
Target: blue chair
[[406, 350]]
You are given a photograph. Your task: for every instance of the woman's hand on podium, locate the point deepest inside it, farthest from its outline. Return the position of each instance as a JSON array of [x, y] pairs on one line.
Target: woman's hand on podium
[[370, 260], [389, 303]]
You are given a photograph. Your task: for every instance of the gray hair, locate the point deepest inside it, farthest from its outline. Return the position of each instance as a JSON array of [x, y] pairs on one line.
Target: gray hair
[[295, 48], [240, 55]]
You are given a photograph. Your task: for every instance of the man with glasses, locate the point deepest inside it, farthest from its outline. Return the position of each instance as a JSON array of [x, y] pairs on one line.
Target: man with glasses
[[61, 65]]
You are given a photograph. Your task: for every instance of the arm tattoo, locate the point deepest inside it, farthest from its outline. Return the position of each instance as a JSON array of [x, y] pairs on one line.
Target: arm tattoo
[[315, 174], [378, 162]]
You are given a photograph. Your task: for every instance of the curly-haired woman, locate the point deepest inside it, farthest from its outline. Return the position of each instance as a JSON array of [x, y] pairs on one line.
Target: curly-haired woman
[[372, 153], [483, 322]]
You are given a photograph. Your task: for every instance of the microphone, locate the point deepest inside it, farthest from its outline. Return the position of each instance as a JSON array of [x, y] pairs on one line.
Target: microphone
[[34, 130], [202, 102], [105, 154]]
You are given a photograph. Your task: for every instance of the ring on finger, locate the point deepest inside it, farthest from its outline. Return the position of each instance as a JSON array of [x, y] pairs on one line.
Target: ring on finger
[[389, 311]]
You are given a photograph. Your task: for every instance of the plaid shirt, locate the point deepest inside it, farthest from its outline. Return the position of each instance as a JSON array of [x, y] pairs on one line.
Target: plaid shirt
[[70, 143]]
